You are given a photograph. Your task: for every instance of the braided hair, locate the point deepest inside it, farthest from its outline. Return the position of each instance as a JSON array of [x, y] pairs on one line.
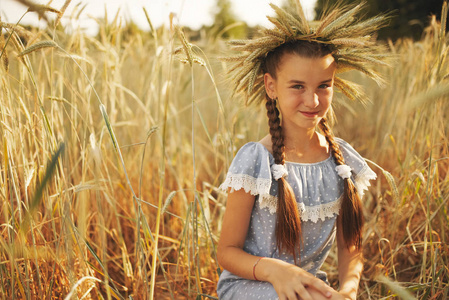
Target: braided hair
[[288, 222], [351, 212]]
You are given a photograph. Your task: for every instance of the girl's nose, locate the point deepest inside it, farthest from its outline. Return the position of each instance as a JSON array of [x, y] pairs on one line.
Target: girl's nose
[[311, 100]]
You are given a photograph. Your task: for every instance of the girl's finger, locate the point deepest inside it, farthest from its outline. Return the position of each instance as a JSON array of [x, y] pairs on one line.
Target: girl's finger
[[323, 288], [291, 296], [303, 293]]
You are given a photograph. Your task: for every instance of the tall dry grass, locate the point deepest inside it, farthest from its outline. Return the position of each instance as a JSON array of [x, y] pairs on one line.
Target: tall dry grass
[[113, 148]]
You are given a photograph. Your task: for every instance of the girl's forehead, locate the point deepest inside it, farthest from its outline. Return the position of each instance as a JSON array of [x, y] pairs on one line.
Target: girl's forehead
[[294, 64]]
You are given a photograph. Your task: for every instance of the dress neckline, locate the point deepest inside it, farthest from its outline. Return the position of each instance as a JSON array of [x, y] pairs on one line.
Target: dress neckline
[[298, 163]]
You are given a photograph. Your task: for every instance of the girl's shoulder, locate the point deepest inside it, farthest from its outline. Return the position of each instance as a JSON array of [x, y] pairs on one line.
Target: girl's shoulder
[[250, 169], [351, 156], [252, 148], [250, 155]]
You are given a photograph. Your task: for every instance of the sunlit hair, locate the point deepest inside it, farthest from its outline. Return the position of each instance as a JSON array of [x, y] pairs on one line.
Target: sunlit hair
[[288, 222]]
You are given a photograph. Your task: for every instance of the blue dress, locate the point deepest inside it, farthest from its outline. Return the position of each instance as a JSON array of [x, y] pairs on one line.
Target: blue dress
[[318, 190]]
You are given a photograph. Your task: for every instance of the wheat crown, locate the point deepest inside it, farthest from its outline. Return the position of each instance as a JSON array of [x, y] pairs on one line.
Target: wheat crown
[[350, 38]]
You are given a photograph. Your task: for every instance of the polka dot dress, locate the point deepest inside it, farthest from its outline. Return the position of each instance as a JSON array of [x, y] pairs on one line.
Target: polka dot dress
[[318, 190]]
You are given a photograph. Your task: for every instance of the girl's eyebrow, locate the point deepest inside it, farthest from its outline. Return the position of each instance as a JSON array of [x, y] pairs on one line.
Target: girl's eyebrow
[[303, 82], [296, 81]]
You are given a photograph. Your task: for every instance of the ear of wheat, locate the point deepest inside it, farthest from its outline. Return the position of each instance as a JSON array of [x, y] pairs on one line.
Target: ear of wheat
[[351, 39]]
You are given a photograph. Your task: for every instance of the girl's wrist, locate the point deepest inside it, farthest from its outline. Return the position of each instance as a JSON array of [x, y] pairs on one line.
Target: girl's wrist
[[254, 268], [266, 268]]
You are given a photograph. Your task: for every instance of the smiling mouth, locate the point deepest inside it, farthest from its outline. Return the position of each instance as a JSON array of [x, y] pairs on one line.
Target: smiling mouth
[[309, 114]]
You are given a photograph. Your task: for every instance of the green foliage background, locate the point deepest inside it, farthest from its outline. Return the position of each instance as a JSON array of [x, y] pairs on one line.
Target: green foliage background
[[409, 17]]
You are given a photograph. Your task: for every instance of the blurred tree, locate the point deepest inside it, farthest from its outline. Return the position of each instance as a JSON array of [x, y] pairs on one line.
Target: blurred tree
[[409, 19], [226, 23]]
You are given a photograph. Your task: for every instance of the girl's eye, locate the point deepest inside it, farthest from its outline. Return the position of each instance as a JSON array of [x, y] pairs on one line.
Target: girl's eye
[[298, 86], [324, 86]]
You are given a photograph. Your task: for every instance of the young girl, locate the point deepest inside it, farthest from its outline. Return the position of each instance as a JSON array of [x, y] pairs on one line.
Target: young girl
[[294, 192]]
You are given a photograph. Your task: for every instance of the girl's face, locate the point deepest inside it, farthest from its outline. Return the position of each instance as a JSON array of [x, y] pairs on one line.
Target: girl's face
[[304, 88]]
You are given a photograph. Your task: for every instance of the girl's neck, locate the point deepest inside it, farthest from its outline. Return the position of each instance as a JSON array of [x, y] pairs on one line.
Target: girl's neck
[[300, 140], [305, 147], [301, 146]]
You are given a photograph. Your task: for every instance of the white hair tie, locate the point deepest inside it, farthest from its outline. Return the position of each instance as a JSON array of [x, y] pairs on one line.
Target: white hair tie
[[344, 171], [278, 171]]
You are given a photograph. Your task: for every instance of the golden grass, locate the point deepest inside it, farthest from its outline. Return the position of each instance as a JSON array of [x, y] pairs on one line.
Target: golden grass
[[147, 140]]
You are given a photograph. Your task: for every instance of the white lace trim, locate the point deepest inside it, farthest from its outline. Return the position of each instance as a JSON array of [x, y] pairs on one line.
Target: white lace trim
[[261, 186], [319, 212], [254, 186], [307, 213], [362, 180], [268, 201]]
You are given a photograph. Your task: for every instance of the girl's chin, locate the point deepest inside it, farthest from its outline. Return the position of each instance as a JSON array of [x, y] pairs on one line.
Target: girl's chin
[[306, 125]]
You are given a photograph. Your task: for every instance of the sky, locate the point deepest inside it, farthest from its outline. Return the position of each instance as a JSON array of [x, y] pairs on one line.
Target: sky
[[192, 13]]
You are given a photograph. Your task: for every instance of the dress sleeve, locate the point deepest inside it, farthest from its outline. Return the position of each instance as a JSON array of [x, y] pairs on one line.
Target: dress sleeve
[[249, 170], [362, 173]]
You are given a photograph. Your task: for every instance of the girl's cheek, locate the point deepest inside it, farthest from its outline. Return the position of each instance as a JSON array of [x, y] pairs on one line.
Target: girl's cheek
[[327, 92], [327, 96]]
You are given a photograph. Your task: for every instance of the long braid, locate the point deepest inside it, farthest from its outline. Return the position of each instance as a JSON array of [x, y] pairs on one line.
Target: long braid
[[288, 223], [351, 205]]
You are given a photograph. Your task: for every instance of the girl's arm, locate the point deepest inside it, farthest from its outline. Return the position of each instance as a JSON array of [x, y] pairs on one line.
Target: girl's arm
[[350, 265], [289, 281], [233, 233]]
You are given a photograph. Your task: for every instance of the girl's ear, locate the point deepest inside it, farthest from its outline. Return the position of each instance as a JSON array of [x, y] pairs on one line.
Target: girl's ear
[[269, 85]]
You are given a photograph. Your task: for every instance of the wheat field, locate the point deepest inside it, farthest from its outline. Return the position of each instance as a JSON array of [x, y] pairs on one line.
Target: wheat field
[[113, 148]]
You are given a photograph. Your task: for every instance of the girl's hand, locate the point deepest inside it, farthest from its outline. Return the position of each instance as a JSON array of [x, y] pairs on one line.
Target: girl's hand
[[293, 283], [334, 295]]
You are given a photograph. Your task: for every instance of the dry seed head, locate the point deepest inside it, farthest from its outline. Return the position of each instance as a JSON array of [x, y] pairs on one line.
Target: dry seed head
[[302, 16], [17, 28], [274, 33], [352, 42], [43, 8], [282, 27], [253, 76], [368, 59], [5, 60], [185, 44], [37, 46], [341, 21], [293, 23], [324, 23], [359, 29], [3, 52], [62, 11], [340, 28], [349, 89], [199, 61], [39, 8], [233, 58], [358, 66]]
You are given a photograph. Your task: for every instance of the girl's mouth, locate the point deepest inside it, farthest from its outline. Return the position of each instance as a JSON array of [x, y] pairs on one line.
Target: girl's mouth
[[309, 114]]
